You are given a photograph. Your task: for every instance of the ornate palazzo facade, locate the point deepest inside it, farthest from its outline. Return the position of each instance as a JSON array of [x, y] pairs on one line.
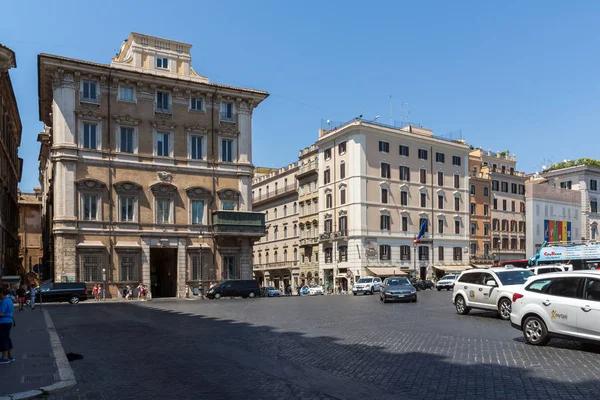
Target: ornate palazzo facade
[[146, 170]]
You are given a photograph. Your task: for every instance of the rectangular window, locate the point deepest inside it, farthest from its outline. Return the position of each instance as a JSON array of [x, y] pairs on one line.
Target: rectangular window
[[226, 150], [404, 150], [163, 211], [504, 205], [227, 111], [196, 266], [513, 188], [384, 252], [440, 178], [457, 253], [162, 62], [457, 227], [342, 196], [495, 204], [456, 181], [342, 148], [384, 147], [405, 174], [423, 199], [504, 187], [421, 220], [456, 203], [230, 206], [404, 223], [441, 253], [342, 224], [486, 230], [423, 253], [230, 268], [126, 209], [162, 144], [90, 207], [327, 154], [486, 210], [473, 208], [404, 198], [513, 206], [197, 104], [423, 175], [197, 212], [126, 93], [128, 266], [565, 185], [440, 225], [456, 160], [593, 184], [384, 195], [91, 267], [440, 157], [422, 154], [162, 102], [342, 170], [473, 229], [594, 206], [196, 150], [326, 176], [89, 136], [89, 92], [495, 186], [384, 222], [440, 202], [385, 170], [127, 137], [405, 253]]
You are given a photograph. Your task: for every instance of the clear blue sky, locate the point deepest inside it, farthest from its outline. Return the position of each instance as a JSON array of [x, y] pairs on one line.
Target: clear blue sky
[[518, 75]]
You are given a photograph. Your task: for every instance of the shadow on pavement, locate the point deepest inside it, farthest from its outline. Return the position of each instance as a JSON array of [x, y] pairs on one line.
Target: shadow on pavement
[[141, 351]]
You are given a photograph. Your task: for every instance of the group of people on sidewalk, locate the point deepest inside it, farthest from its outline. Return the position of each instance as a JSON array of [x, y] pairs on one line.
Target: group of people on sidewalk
[[142, 292]]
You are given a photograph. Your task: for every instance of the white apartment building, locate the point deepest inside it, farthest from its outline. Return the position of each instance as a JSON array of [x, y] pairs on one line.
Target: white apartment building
[[276, 255], [585, 179], [553, 214], [376, 185]]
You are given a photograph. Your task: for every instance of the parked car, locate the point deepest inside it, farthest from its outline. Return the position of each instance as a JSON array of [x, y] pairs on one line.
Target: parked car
[[315, 290], [51, 292], [269, 291], [563, 304], [488, 289], [368, 285], [428, 284], [417, 284], [397, 289], [447, 282], [235, 288]]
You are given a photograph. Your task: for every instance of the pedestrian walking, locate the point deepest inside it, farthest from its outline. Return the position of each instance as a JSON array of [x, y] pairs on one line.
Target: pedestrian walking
[[6, 323], [21, 292], [128, 293], [32, 297], [140, 289], [95, 292]]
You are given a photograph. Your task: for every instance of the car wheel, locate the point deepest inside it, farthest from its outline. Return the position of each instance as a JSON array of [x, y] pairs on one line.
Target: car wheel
[[74, 300], [369, 292], [461, 305], [504, 308], [354, 294], [535, 331], [439, 290], [252, 295], [415, 299], [217, 296]]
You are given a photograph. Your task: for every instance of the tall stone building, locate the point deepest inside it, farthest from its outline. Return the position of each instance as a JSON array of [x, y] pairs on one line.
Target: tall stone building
[[480, 192], [146, 170], [276, 254], [10, 166], [308, 201], [30, 232], [377, 186]]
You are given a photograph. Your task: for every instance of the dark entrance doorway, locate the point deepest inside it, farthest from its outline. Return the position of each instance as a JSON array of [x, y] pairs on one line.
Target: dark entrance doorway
[[163, 272]]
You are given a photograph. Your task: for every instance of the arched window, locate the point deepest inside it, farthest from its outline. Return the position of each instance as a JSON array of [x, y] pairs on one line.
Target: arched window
[[275, 212], [486, 192], [295, 255], [259, 258], [285, 211], [295, 230], [294, 210], [285, 255], [266, 215], [267, 257], [275, 256], [285, 232], [275, 232], [472, 190]]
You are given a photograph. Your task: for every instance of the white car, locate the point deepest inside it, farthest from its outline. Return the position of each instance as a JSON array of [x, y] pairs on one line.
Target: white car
[[368, 285], [315, 290], [488, 289], [447, 282], [546, 269], [563, 304]]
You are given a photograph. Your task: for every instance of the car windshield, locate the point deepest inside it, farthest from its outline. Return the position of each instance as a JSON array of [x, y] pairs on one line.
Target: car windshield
[[448, 277], [515, 277], [365, 280], [398, 281]]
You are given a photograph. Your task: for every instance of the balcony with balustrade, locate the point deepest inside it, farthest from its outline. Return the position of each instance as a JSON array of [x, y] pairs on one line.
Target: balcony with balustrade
[[275, 194]]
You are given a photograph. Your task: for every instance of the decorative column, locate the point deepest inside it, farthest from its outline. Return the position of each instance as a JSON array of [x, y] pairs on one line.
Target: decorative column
[[63, 109], [244, 111], [245, 259], [146, 265], [181, 268]]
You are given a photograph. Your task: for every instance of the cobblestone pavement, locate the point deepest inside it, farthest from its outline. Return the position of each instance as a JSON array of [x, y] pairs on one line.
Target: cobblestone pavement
[[327, 347]]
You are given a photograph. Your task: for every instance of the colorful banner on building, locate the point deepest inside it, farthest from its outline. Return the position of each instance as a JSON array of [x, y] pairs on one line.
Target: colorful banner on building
[[557, 231], [564, 254]]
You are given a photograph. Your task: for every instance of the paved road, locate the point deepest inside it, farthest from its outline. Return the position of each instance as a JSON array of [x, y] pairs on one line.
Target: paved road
[[327, 347]]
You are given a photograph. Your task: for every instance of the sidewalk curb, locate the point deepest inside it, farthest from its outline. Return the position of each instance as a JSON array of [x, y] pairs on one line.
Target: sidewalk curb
[[67, 378]]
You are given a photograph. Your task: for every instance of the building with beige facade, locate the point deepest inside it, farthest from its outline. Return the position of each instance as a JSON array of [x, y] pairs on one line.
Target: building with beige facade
[[480, 225], [276, 254], [507, 205], [31, 250], [377, 185], [10, 166], [308, 202], [146, 170]]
